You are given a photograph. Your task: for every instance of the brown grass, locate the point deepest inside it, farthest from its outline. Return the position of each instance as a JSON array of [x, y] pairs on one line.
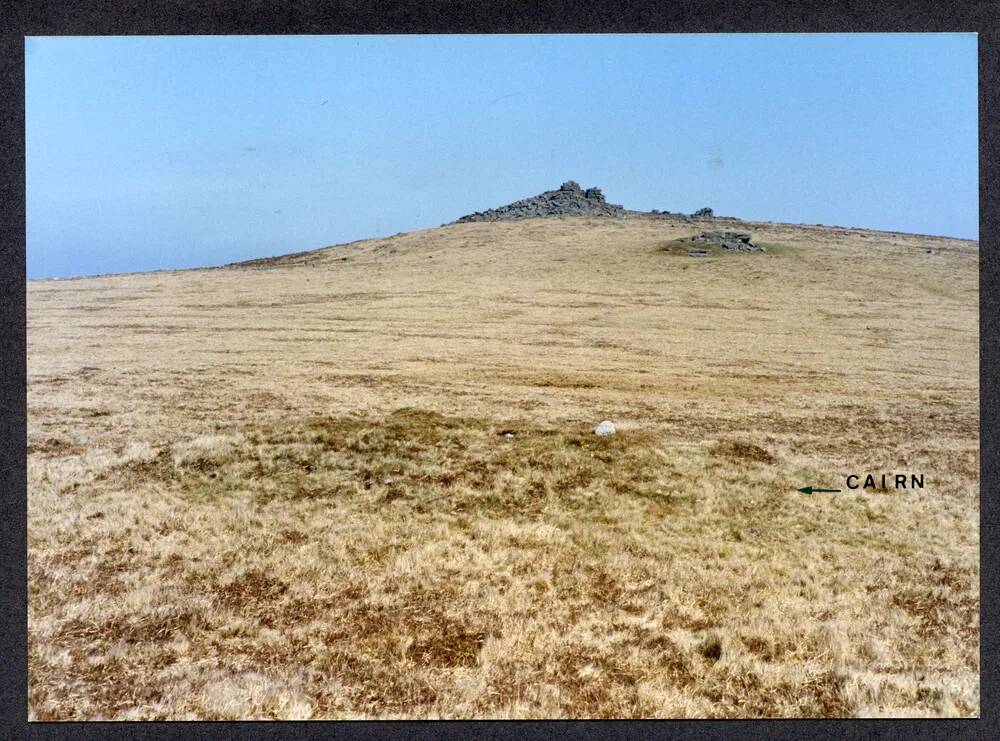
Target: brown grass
[[283, 490]]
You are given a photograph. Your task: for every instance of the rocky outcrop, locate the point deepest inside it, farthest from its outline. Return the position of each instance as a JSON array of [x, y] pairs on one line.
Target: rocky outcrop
[[701, 213], [569, 200], [735, 241]]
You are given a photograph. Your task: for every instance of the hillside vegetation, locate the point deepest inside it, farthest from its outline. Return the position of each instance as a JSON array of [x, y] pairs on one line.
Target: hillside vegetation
[[283, 489]]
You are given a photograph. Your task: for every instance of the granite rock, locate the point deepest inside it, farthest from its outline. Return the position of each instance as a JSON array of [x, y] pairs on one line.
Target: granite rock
[[569, 200]]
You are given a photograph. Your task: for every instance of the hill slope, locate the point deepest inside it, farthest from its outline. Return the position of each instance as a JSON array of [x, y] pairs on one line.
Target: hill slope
[[280, 489]]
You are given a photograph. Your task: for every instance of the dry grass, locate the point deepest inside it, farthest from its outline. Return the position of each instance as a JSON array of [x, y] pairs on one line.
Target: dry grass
[[283, 490]]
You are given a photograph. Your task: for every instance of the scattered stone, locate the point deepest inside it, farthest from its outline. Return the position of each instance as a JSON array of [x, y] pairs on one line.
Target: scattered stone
[[735, 241], [703, 213], [507, 433], [698, 253], [569, 199], [604, 429]]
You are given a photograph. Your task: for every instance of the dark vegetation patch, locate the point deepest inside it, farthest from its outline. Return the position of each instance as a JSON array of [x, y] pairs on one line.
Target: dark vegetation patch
[[159, 467], [372, 686], [740, 450], [768, 647], [743, 693], [711, 646], [442, 641], [941, 612], [596, 684], [556, 380], [101, 690], [153, 626], [671, 657], [53, 447], [369, 646], [250, 589], [91, 412], [418, 458], [293, 536]]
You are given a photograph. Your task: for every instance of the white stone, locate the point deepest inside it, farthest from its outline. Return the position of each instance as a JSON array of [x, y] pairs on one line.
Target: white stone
[[605, 428]]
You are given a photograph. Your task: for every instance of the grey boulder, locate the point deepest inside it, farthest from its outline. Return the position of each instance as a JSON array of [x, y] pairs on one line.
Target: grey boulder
[[604, 429]]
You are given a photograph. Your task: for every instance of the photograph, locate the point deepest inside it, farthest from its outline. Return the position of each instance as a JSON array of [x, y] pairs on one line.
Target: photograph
[[502, 376]]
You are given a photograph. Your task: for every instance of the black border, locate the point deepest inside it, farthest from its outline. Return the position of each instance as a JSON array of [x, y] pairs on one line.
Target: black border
[[19, 18]]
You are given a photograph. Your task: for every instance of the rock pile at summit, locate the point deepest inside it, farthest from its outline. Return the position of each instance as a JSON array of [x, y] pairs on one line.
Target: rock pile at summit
[[572, 200], [569, 199]]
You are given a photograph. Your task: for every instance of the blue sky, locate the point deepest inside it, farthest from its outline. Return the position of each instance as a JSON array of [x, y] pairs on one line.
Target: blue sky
[[166, 152]]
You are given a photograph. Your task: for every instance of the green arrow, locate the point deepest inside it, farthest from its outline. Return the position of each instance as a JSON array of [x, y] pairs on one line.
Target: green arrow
[[811, 489]]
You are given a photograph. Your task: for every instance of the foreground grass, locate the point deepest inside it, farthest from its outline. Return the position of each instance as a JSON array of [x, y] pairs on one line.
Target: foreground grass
[[420, 565]]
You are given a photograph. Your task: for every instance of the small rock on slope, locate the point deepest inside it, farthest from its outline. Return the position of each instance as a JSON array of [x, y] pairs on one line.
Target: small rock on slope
[[605, 428]]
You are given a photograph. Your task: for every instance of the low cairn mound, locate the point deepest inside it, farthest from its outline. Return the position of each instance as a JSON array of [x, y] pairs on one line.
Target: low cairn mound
[[734, 241]]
